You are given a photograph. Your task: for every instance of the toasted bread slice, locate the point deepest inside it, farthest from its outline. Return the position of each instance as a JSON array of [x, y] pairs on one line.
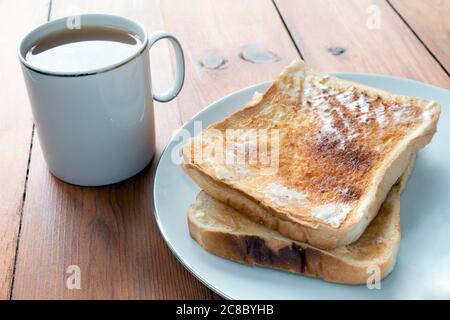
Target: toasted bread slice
[[225, 232], [333, 150]]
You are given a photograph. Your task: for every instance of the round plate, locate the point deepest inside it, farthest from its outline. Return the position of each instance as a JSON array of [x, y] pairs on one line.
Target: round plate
[[423, 263]]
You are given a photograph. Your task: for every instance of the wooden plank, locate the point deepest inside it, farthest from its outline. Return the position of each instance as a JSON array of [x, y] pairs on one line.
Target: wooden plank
[[15, 127], [358, 35], [110, 232], [430, 20], [226, 28]]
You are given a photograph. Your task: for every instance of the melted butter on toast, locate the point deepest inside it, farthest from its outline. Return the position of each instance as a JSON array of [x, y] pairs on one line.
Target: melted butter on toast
[[333, 136]]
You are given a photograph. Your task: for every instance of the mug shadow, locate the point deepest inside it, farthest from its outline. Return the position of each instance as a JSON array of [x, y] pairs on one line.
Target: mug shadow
[[123, 197]]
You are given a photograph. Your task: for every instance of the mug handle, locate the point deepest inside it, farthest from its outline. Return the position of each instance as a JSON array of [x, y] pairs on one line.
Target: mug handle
[[179, 78]]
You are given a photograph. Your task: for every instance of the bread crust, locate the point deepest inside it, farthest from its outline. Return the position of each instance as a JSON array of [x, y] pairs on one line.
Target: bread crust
[[297, 257], [313, 231], [266, 249], [324, 238]]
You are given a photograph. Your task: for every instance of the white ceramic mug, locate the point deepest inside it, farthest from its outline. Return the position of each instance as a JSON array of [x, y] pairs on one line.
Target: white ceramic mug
[[96, 127]]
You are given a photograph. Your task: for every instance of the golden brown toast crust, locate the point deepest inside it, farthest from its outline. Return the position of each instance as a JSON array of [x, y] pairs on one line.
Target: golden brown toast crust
[[235, 237], [318, 165], [349, 264], [342, 147]]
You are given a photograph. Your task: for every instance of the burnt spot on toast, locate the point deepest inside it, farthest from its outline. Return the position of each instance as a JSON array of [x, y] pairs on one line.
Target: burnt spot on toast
[[333, 137], [256, 251]]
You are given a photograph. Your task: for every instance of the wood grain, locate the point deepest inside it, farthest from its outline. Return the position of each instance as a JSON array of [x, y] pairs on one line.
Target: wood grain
[[225, 27], [345, 36], [111, 232], [16, 124], [430, 20]]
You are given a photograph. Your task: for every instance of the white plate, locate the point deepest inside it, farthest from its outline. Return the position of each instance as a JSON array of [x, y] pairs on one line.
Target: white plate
[[423, 264]]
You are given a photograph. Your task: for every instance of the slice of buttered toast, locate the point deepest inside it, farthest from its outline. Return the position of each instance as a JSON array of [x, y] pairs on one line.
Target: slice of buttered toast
[[225, 232], [313, 157]]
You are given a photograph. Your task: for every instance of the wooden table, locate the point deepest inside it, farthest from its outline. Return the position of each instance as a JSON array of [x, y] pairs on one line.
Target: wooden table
[[110, 232]]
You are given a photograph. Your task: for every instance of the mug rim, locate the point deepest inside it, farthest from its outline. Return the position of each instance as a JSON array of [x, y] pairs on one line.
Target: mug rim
[[39, 32]]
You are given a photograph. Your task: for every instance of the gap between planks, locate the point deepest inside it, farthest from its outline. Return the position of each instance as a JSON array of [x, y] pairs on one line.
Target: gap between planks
[[418, 37], [287, 30], [24, 195], [393, 9], [22, 206]]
